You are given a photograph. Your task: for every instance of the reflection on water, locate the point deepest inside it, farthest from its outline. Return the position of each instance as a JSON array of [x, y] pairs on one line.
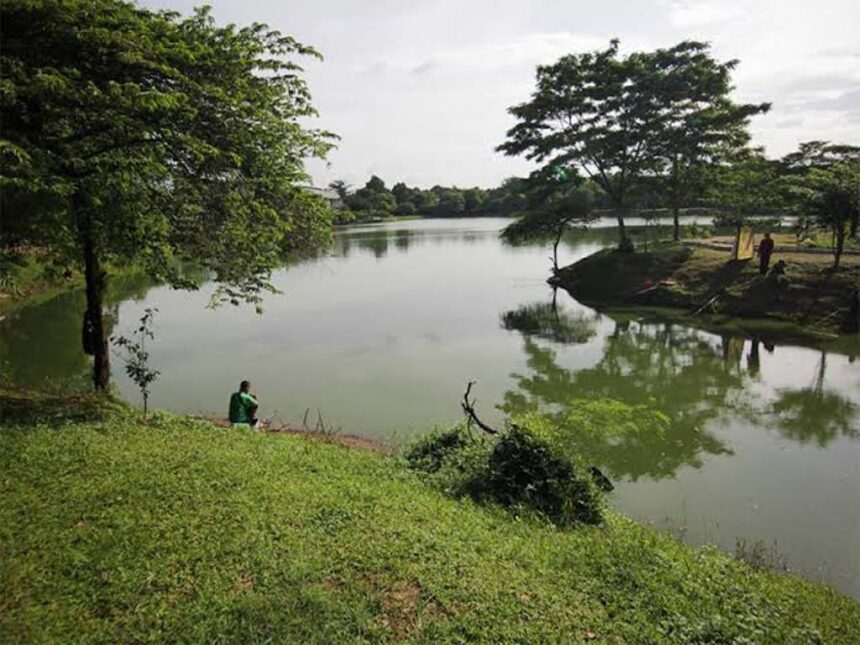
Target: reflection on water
[[694, 377], [670, 368], [382, 334], [40, 346], [547, 320], [815, 413]]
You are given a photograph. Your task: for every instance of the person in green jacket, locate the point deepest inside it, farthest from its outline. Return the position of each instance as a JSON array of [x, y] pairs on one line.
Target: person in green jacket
[[243, 406]]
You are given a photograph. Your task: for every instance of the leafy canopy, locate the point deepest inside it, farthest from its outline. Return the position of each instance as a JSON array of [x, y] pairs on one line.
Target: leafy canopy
[[621, 119], [555, 201], [158, 139]]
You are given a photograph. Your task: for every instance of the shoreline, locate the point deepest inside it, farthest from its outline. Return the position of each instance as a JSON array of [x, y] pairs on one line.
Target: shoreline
[[697, 285], [346, 440]]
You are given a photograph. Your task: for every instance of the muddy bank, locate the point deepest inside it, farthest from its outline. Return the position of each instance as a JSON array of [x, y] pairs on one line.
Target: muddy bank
[[809, 296], [348, 440]]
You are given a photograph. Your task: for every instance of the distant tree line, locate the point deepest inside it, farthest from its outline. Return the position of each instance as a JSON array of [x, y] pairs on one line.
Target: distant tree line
[[375, 200]]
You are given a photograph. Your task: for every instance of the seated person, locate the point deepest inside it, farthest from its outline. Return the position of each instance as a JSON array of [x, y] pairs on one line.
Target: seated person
[[243, 406]]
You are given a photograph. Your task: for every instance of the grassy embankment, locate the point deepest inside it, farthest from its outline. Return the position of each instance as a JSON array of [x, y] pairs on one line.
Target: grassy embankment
[[112, 530], [27, 283], [810, 299], [31, 282]]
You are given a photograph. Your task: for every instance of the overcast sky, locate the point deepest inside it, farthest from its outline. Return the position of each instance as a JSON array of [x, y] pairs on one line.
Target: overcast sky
[[418, 89]]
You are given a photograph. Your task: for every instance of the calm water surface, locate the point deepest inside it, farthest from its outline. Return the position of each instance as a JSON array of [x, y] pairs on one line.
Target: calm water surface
[[382, 335]]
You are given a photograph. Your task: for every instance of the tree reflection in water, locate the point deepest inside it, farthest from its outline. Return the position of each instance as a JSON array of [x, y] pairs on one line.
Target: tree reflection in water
[[814, 413], [547, 321], [692, 377], [662, 366], [40, 345]]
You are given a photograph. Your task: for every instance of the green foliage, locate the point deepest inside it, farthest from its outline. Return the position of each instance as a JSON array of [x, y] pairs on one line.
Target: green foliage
[[748, 185], [137, 357], [517, 470], [429, 452], [113, 530], [136, 137], [590, 110], [622, 119], [823, 183], [698, 126], [554, 204], [374, 200], [525, 471], [161, 137]]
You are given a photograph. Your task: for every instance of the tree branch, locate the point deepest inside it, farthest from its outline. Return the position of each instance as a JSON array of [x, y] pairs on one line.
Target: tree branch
[[471, 415]]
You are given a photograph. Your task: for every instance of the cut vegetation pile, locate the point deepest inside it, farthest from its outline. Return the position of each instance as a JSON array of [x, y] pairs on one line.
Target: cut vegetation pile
[[116, 531]]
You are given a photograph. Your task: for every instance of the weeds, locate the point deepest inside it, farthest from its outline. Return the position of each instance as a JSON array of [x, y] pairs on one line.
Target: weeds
[[760, 556]]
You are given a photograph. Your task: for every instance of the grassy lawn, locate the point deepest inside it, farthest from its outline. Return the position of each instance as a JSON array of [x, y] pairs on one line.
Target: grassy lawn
[[112, 530]]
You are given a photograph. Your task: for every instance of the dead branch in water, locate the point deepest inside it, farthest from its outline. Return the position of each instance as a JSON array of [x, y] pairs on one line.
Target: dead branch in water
[[469, 410]]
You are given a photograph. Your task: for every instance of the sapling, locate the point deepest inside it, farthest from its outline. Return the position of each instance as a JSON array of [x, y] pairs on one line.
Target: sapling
[[137, 358]]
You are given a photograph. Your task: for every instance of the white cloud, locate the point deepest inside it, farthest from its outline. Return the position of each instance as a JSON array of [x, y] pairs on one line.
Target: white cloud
[[419, 90], [695, 13]]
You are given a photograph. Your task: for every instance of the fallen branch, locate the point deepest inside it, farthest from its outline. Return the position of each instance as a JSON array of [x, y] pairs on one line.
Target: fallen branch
[[827, 317], [471, 415], [706, 305], [646, 290]]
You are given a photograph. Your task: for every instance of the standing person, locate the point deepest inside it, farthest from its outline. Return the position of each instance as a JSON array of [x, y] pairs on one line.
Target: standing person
[[243, 406], [765, 248]]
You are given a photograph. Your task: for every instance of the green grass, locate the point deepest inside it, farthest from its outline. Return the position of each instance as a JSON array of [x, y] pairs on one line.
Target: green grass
[[26, 283], [112, 530]]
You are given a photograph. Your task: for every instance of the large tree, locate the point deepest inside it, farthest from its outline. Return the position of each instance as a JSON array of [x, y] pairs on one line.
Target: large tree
[[697, 125], [747, 184], [590, 110], [139, 137], [619, 119], [830, 194], [822, 155]]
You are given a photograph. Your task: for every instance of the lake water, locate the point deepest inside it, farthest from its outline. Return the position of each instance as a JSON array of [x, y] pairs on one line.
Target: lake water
[[382, 335]]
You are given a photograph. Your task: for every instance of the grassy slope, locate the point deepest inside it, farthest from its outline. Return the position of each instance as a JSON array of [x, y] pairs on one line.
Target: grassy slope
[[811, 295], [30, 285], [115, 531]]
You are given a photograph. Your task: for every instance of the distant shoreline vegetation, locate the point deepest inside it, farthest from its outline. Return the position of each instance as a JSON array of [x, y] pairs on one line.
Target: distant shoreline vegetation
[[375, 202]]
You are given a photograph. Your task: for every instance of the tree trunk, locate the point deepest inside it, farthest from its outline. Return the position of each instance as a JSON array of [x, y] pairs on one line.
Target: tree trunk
[[676, 223], [840, 244], [675, 196], [95, 287], [622, 231], [555, 250]]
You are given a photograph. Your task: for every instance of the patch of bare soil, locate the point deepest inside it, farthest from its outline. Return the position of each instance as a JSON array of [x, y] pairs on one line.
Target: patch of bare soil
[[347, 440]]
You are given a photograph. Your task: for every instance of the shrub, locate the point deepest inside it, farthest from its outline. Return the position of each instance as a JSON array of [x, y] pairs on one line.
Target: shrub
[[428, 453], [524, 470], [517, 470]]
